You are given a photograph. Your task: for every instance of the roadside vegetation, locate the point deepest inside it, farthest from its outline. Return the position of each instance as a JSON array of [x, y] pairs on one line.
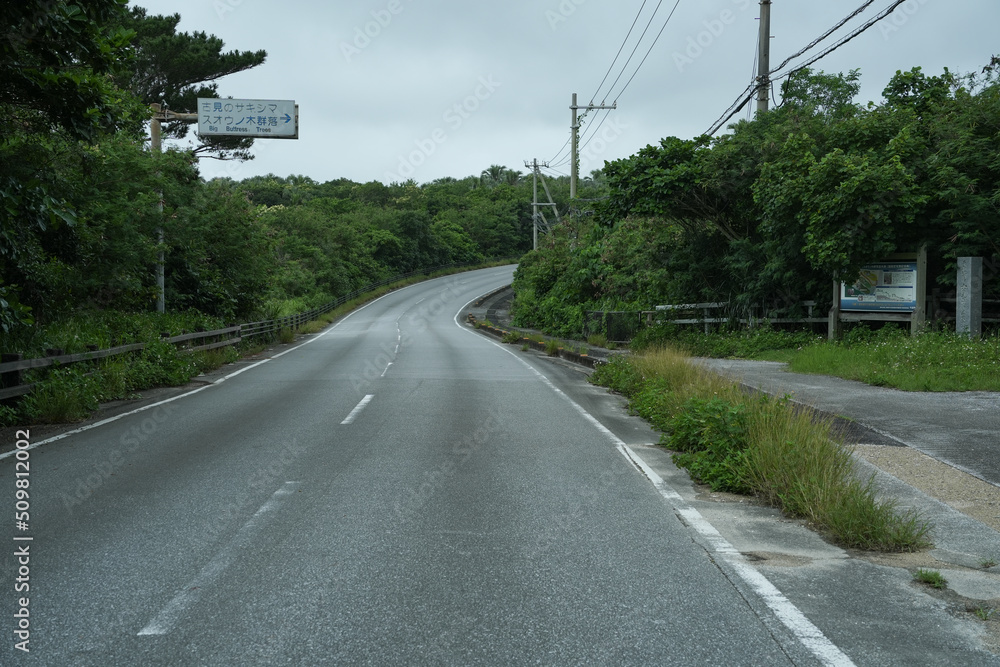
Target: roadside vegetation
[[886, 357], [87, 208], [72, 393], [760, 446], [763, 216]]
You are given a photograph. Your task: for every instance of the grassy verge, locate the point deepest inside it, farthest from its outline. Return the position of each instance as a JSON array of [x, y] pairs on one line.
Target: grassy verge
[[928, 362], [888, 356], [760, 446]]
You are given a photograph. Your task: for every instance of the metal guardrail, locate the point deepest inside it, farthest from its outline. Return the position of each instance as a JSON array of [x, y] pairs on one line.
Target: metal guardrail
[[12, 365]]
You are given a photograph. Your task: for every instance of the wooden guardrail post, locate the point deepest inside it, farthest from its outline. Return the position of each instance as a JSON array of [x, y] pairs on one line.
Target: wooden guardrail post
[[10, 378]]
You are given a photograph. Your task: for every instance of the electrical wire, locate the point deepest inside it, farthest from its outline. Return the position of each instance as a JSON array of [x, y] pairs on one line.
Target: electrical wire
[[884, 13], [636, 47], [734, 108], [742, 99], [557, 159], [655, 39], [558, 156], [826, 34], [753, 73], [585, 140], [620, 49]]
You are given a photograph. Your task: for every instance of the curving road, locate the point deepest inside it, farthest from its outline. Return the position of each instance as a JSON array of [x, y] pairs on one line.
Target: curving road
[[398, 489]]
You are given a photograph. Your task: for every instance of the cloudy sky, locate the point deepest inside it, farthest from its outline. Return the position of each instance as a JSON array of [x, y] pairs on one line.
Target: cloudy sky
[[395, 89]]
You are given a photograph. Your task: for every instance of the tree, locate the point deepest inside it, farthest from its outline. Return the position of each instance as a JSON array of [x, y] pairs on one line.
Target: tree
[[173, 69], [55, 58], [493, 175], [55, 61]]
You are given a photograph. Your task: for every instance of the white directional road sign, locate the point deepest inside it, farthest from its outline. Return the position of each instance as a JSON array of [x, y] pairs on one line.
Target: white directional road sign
[[260, 119]]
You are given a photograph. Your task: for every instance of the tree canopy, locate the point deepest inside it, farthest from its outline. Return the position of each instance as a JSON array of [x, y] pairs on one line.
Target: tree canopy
[[768, 214], [174, 69]]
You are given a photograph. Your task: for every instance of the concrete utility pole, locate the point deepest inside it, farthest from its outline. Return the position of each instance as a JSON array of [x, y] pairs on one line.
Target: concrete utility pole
[[574, 172], [534, 204], [159, 115], [764, 57], [154, 146], [536, 214]]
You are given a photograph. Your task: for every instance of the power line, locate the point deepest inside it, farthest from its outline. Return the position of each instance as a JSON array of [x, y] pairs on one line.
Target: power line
[[742, 99], [845, 40], [734, 108], [753, 73], [669, 16], [826, 34], [593, 130], [620, 49], [635, 48]]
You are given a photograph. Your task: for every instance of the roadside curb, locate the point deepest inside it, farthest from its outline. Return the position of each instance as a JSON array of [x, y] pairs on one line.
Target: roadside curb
[[501, 334]]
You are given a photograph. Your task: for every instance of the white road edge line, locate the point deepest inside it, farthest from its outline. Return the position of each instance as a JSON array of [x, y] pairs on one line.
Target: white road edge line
[[168, 617], [808, 634], [193, 391], [358, 408], [790, 616]]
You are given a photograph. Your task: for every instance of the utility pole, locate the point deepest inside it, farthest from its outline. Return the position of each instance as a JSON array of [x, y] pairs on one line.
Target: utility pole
[[536, 214], [534, 204], [574, 172], [764, 57], [159, 115], [154, 146]]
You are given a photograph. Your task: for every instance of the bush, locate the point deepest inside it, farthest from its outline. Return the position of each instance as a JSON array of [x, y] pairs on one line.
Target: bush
[[727, 343], [710, 437], [65, 395]]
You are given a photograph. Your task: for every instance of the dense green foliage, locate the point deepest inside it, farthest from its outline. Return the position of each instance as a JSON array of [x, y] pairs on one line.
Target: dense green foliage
[[709, 437], [765, 216], [81, 193]]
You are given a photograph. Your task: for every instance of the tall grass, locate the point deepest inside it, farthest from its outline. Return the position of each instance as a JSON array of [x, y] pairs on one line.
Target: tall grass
[[784, 455], [887, 356], [890, 357]]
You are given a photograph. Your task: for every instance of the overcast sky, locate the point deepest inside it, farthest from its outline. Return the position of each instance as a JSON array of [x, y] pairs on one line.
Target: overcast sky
[[396, 89]]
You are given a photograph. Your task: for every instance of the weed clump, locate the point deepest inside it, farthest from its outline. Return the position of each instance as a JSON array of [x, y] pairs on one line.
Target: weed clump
[[762, 446]]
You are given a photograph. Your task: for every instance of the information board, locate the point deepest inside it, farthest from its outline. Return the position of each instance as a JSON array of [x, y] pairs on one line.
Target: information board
[[883, 286]]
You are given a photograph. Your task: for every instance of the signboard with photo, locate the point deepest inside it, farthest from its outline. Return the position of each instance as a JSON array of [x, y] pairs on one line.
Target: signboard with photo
[[883, 286]]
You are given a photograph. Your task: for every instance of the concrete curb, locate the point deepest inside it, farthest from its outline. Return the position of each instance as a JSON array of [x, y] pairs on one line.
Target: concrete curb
[[500, 334]]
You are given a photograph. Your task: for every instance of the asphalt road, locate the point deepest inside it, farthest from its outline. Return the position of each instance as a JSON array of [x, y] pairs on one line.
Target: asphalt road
[[396, 490]]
